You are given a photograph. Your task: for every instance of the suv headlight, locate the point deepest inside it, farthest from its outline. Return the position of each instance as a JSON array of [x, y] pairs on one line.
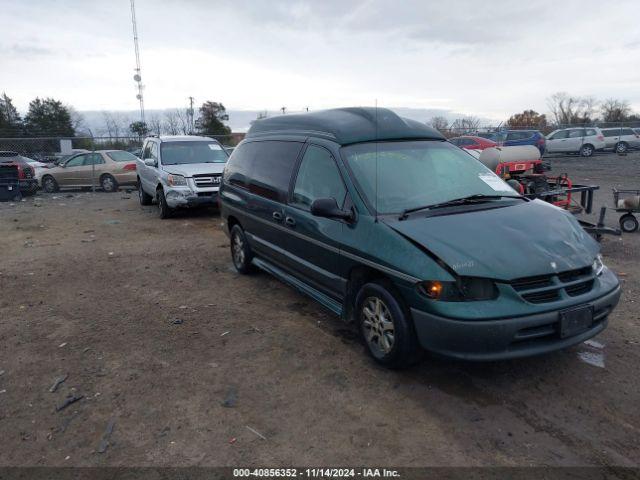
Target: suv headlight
[[466, 289], [176, 180], [598, 265]]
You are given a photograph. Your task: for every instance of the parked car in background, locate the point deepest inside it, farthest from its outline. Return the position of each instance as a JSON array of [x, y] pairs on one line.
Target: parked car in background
[[385, 223], [471, 142], [584, 141], [512, 138], [38, 168], [26, 173], [180, 171], [620, 139], [107, 169]]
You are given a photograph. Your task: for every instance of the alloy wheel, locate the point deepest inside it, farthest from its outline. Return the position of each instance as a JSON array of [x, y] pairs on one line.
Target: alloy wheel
[[378, 327], [238, 251], [108, 184]]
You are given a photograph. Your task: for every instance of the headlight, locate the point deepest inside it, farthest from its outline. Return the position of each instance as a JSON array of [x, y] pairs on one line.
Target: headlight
[[598, 265], [466, 289], [176, 180]]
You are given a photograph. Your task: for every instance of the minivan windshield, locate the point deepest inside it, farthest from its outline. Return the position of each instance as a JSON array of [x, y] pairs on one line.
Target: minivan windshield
[[187, 152], [414, 174]]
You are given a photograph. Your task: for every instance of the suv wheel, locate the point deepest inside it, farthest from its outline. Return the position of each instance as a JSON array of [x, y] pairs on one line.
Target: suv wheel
[[164, 209], [386, 327], [621, 147], [240, 250], [145, 198], [586, 150], [49, 184], [628, 223]]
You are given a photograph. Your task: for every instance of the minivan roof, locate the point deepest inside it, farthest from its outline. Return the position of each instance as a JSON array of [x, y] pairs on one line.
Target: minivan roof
[[346, 126]]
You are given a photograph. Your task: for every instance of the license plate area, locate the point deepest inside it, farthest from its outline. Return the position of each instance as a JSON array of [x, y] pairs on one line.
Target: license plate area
[[575, 321]]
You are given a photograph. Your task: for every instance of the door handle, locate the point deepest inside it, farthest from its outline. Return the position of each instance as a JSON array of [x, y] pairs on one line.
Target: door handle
[[277, 216], [290, 222]]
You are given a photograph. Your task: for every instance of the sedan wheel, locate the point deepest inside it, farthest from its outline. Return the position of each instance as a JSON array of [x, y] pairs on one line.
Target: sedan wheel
[[621, 147], [586, 151], [49, 184]]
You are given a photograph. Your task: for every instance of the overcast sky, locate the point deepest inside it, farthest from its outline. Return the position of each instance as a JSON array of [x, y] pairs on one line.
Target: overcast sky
[[488, 59]]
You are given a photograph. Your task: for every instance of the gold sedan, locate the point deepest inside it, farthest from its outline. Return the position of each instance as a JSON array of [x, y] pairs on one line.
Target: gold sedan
[[107, 169]]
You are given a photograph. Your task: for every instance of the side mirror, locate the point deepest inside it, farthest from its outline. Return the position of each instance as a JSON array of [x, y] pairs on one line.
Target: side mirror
[[149, 162], [328, 208]]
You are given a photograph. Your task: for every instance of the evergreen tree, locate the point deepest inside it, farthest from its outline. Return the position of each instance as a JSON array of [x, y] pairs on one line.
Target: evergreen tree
[[48, 117], [212, 114], [10, 121]]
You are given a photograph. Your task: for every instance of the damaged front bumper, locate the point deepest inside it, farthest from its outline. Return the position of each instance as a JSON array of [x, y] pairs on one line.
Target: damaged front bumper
[[185, 197]]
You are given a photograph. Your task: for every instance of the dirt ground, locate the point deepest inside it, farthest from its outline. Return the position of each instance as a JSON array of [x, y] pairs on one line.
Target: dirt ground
[[185, 362]]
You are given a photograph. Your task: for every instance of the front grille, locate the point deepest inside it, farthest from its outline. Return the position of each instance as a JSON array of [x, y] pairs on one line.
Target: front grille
[[210, 180], [550, 288]]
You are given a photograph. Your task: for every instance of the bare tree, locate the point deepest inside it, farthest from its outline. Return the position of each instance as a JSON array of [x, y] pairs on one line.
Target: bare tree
[[171, 122], [438, 122], [466, 124], [184, 121], [614, 110], [155, 124], [567, 109], [78, 122]]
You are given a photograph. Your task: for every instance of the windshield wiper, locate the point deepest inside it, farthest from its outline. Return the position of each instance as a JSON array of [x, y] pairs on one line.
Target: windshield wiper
[[477, 198]]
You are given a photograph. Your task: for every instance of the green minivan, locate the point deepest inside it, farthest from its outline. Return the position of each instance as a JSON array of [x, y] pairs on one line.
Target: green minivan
[[388, 225]]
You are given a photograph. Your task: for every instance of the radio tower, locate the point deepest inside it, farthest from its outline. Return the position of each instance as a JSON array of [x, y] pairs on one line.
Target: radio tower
[[137, 78]]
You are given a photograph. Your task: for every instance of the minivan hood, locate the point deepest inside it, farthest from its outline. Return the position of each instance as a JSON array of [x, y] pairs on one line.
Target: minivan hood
[[189, 170], [527, 239]]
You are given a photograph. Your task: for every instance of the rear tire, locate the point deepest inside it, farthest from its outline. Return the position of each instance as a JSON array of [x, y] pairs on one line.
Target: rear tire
[[49, 184], [241, 254], [386, 327], [628, 223], [586, 150], [108, 183], [621, 147], [164, 209], [144, 197]]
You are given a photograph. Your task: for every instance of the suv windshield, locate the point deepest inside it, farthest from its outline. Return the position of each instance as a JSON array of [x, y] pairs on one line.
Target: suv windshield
[[408, 175], [180, 153]]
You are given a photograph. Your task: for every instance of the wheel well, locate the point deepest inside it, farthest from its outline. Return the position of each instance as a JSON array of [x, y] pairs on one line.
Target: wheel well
[[231, 221], [358, 276], [586, 145]]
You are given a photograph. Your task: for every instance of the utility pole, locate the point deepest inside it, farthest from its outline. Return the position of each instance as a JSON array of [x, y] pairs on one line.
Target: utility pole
[[190, 115], [137, 77]]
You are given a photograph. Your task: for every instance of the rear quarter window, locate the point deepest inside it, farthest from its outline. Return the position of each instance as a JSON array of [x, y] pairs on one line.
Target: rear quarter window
[[122, 156]]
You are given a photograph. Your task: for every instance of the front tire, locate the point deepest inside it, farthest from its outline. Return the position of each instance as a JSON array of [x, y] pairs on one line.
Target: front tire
[[164, 209], [586, 150], [241, 254], [628, 223], [386, 326], [108, 183], [144, 197], [49, 184]]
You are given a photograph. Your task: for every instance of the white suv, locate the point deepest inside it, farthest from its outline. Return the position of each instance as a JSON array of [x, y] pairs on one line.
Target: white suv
[[621, 139], [584, 141], [181, 171]]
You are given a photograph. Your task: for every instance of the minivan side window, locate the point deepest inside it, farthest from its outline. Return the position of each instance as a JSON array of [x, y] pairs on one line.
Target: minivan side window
[[239, 165], [610, 133], [272, 167], [318, 177]]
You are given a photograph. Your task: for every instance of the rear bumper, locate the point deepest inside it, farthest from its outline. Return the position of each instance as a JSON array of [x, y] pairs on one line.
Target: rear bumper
[[488, 340]]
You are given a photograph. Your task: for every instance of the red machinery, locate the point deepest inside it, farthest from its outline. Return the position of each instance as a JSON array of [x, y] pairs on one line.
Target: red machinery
[[523, 169]]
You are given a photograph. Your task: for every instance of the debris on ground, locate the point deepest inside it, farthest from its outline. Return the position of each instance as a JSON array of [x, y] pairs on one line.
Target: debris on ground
[[177, 321], [58, 381], [232, 440], [63, 344], [231, 399], [73, 398], [225, 333], [256, 432], [1, 372], [106, 436], [253, 329]]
